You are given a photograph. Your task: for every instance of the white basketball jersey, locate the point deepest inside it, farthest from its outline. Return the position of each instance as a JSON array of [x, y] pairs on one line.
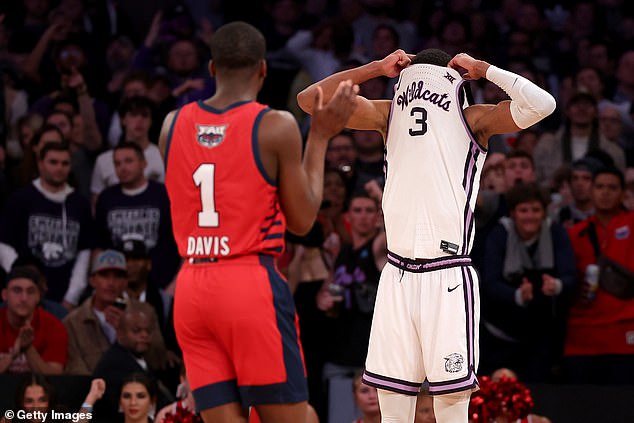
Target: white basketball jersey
[[433, 166]]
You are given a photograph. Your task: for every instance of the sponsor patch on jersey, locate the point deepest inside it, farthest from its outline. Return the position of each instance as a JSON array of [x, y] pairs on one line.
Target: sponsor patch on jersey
[[454, 362], [622, 233], [210, 136]]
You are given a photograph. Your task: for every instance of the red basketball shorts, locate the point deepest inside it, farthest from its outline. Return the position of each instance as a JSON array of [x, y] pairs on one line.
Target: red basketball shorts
[[235, 321]]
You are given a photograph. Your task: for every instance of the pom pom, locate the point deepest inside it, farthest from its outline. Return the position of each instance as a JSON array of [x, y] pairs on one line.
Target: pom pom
[[182, 415], [504, 400]]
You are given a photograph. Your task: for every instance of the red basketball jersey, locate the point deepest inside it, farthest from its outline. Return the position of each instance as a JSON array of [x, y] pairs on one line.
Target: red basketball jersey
[[223, 203]]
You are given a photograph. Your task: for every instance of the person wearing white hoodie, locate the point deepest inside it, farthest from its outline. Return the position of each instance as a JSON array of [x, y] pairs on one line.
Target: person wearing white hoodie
[[49, 224]]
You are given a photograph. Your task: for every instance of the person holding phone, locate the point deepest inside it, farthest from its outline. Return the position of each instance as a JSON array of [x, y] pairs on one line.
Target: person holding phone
[[92, 326]]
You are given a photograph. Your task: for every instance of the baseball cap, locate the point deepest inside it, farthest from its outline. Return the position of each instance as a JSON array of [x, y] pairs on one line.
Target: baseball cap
[[109, 260], [24, 272], [587, 163], [134, 248]]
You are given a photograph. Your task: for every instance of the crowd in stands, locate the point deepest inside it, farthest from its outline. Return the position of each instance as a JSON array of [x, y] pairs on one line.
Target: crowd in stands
[[87, 255]]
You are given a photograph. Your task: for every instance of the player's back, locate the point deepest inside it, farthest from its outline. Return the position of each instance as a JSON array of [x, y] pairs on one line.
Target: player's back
[[433, 166], [222, 201]]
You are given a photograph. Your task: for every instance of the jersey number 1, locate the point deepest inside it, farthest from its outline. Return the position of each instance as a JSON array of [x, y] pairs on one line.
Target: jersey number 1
[[204, 178]]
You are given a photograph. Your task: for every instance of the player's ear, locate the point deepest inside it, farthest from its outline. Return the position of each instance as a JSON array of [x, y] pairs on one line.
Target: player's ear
[[263, 68], [212, 68]]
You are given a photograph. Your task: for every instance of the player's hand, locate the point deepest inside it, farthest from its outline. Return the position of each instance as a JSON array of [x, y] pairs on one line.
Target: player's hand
[[394, 63], [330, 119], [468, 67]]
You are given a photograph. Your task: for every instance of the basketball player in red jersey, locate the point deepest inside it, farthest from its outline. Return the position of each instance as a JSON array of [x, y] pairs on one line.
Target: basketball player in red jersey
[[236, 180]]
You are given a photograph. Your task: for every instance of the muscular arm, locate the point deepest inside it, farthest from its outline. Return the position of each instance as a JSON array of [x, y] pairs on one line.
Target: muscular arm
[[301, 181], [167, 124], [369, 114], [528, 105]]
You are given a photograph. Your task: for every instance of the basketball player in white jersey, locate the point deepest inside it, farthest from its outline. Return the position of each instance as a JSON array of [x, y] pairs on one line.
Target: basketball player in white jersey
[[425, 325]]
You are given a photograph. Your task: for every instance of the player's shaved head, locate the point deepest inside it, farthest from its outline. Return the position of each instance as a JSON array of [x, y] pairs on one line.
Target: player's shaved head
[[237, 45]]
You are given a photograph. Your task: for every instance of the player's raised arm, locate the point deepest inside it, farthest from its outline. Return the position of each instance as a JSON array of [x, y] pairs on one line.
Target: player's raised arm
[[528, 105], [369, 114], [301, 181]]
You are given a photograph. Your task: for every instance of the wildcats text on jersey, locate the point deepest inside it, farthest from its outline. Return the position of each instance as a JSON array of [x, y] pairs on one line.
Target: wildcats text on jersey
[[208, 246], [416, 91]]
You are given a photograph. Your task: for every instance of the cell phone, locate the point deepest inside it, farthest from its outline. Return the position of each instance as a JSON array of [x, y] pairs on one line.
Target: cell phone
[[120, 303]]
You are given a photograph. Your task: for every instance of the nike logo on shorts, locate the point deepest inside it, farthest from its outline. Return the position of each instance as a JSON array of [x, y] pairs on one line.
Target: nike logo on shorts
[[452, 289]]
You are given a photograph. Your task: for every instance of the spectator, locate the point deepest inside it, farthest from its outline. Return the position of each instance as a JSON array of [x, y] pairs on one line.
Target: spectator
[[139, 286], [136, 119], [50, 222], [628, 196], [26, 170], [137, 400], [137, 208], [581, 189], [598, 345], [348, 296], [578, 136], [126, 355], [31, 339], [366, 400], [528, 277], [92, 326]]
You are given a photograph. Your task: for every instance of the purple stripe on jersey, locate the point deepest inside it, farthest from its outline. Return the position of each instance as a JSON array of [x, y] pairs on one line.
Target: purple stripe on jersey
[[468, 185], [468, 383], [427, 264], [464, 260], [464, 121], [390, 384]]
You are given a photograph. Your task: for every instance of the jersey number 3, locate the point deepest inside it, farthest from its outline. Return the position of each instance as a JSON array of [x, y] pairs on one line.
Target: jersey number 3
[[204, 178], [421, 121]]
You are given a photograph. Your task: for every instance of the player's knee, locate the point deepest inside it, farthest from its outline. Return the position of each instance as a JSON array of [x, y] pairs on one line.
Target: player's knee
[[396, 408], [453, 398]]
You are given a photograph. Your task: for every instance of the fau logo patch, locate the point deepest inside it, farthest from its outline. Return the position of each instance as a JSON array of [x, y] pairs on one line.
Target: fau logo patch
[[210, 136]]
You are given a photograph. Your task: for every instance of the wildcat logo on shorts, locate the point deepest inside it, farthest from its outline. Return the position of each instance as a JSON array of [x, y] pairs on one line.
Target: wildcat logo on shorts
[[211, 136], [453, 363]]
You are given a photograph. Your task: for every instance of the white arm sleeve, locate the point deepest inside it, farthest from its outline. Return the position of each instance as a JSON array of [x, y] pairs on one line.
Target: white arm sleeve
[[529, 103], [78, 277]]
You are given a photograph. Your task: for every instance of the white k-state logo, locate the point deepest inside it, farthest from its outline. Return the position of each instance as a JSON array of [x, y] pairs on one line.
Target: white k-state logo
[[210, 135]]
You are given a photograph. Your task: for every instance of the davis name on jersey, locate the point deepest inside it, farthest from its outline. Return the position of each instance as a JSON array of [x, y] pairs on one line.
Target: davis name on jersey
[[208, 245]]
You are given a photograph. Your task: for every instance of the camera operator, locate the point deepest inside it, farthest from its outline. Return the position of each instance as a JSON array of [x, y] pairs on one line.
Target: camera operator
[[529, 273]]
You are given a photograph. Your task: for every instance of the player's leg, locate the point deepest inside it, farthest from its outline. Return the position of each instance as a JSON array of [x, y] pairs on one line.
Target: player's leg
[[452, 407], [396, 408], [267, 355], [283, 413], [227, 413], [451, 361]]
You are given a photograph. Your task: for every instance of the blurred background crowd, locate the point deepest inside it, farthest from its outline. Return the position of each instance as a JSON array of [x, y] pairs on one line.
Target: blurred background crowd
[[87, 255]]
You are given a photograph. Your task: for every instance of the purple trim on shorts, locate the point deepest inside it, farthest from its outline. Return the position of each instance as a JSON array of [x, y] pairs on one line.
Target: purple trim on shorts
[[437, 389], [391, 384], [427, 265]]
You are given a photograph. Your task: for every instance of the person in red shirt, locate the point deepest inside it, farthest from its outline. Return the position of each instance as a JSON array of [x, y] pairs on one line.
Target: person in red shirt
[[600, 341], [236, 179], [31, 339]]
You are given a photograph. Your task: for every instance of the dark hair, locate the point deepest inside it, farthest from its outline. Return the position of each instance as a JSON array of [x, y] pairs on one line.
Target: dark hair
[[65, 99], [63, 113], [610, 170], [143, 379], [136, 105], [520, 154], [126, 145], [29, 272], [31, 379], [136, 75], [237, 45], [432, 56], [524, 192], [389, 28], [54, 146], [47, 127]]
